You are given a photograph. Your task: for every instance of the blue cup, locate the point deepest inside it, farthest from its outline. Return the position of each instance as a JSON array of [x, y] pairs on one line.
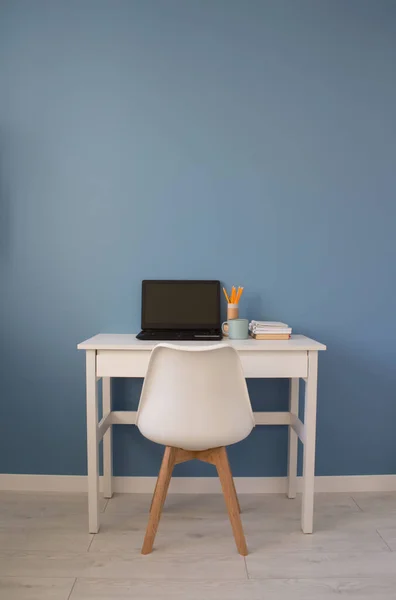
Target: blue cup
[[237, 329]]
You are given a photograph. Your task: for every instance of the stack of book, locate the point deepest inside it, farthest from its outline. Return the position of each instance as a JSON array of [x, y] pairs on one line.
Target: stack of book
[[269, 330]]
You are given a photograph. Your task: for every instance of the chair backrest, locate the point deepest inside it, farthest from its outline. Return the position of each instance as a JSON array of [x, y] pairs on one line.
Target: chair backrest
[[195, 397]]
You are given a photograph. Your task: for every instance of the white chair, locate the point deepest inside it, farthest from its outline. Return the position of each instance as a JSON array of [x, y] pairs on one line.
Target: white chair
[[195, 402]]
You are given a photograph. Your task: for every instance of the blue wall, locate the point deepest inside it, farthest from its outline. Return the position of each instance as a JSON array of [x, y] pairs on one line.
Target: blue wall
[[248, 141]]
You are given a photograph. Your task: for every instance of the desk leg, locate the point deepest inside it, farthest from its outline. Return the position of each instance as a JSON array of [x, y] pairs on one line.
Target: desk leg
[[92, 442], [293, 439], [309, 444], [107, 441]]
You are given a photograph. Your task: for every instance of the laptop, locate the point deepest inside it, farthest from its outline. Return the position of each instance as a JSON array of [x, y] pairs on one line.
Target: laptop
[[180, 310]]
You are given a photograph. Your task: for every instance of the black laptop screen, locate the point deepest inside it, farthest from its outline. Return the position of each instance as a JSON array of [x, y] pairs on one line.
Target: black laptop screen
[[180, 304]]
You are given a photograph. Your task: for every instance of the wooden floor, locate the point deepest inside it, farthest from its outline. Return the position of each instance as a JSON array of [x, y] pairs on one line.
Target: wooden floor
[[46, 552]]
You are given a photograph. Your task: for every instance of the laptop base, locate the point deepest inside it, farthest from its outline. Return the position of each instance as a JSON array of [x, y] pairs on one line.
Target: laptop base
[[179, 335]]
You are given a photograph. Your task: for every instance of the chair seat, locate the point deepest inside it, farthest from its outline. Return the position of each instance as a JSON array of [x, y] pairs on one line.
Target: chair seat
[[198, 442]]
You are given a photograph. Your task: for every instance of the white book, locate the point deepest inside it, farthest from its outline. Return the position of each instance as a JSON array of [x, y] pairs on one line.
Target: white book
[[271, 331], [272, 324]]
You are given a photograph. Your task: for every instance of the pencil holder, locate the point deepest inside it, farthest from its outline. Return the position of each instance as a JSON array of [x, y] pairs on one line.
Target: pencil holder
[[232, 313]]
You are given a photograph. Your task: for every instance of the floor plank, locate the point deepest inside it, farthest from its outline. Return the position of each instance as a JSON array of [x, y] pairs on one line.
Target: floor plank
[[90, 589], [132, 565], [66, 522], [363, 521], [275, 589], [389, 535], [35, 588], [376, 502], [39, 504], [309, 565], [45, 539]]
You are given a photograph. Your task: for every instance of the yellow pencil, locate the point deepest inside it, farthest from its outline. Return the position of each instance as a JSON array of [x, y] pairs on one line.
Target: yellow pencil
[[226, 295], [233, 295], [239, 294]]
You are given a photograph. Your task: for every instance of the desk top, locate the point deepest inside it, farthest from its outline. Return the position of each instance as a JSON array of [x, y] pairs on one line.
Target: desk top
[[128, 341]]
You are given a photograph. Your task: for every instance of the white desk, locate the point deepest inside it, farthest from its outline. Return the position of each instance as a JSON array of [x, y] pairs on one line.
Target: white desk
[[122, 355]]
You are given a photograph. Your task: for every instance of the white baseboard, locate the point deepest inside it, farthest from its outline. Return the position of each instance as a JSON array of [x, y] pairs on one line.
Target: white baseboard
[[197, 485]]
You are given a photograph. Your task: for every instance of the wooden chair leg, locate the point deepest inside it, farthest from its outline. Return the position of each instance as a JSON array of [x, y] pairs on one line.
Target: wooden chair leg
[[180, 456], [165, 492], [231, 500], [236, 496], [155, 491], [161, 489]]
